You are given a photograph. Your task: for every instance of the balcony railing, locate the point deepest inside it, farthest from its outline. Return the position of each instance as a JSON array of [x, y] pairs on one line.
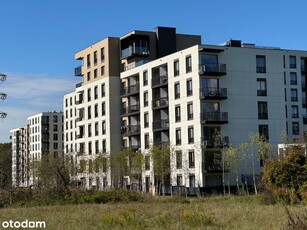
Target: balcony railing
[[214, 118], [159, 81], [261, 93], [132, 89], [78, 71], [216, 69], [130, 109], [134, 50], [160, 124], [161, 102], [134, 147], [213, 93], [214, 166], [130, 130], [134, 64], [215, 142]]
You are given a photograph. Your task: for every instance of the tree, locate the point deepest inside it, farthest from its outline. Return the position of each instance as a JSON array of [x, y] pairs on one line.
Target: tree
[[53, 173], [5, 166], [286, 178], [161, 164]]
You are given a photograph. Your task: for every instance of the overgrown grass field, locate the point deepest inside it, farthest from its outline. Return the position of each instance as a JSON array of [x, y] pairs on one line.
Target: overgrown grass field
[[216, 212]]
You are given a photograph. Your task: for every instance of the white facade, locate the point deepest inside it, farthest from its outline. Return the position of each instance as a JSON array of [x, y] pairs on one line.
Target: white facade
[[237, 90]]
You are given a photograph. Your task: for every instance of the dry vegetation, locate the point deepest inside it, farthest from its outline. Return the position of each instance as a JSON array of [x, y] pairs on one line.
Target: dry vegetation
[[161, 213]]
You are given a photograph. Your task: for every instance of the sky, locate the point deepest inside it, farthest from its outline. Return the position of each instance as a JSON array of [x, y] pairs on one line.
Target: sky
[[38, 39]]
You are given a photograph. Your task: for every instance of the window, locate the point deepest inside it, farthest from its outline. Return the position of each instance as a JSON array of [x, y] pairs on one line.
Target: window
[[90, 148], [285, 94], [178, 136], [95, 58], [103, 127], [95, 92], [55, 145], [103, 90], [190, 111], [147, 162], [96, 147], [55, 136], [191, 159], [102, 70], [292, 62], [89, 94], [260, 64], [89, 114], [95, 73], [146, 99], [178, 159], [293, 94], [146, 140], [261, 87], [145, 78], [88, 76], [285, 79], [103, 108], [96, 129], [177, 114], [295, 128], [294, 111], [146, 120], [102, 54], [192, 180], [55, 128], [188, 63], [89, 129], [104, 146], [176, 68], [264, 131], [179, 180], [190, 135], [88, 60], [189, 88], [293, 79], [262, 110], [177, 90], [96, 110]]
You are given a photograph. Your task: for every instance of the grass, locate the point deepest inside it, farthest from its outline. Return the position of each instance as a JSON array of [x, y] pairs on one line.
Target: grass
[[215, 212]]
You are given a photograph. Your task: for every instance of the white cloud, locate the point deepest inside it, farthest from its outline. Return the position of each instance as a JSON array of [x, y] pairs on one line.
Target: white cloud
[[29, 94]]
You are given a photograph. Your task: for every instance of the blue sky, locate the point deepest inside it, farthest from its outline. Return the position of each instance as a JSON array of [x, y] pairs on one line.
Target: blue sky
[[38, 38]]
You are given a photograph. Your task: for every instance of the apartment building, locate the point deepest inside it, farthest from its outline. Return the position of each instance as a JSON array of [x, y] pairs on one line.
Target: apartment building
[[42, 135], [92, 113], [20, 156], [187, 97]]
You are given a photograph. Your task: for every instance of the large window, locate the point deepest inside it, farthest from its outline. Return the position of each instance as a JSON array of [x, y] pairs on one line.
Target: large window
[[146, 120], [146, 139], [293, 78], [260, 64], [178, 136], [264, 131], [261, 87], [190, 111], [191, 159], [88, 60], [89, 94], [103, 127], [176, 68], [188, 63], [189, 87], [292, 62], [177, 90], [295, 128], [145, 78], [190, 135], [177, 113], [95, 58], [262, 110], [178, 159], [146, 99], [294, 111], [293, 94], [102, 54]]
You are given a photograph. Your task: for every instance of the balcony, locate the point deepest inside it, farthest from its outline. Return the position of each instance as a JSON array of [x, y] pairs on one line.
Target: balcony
[[160, 103], [129, 110], [213, 93], [261, 93], [134, 147], [214, 118], [213, 167], [78, 71], [159, 81], [212, 69], [129, 130], [132, 51], [79, 119], [132, 89], [134, 64], [215, 142], [79, 84], [160, 125]]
